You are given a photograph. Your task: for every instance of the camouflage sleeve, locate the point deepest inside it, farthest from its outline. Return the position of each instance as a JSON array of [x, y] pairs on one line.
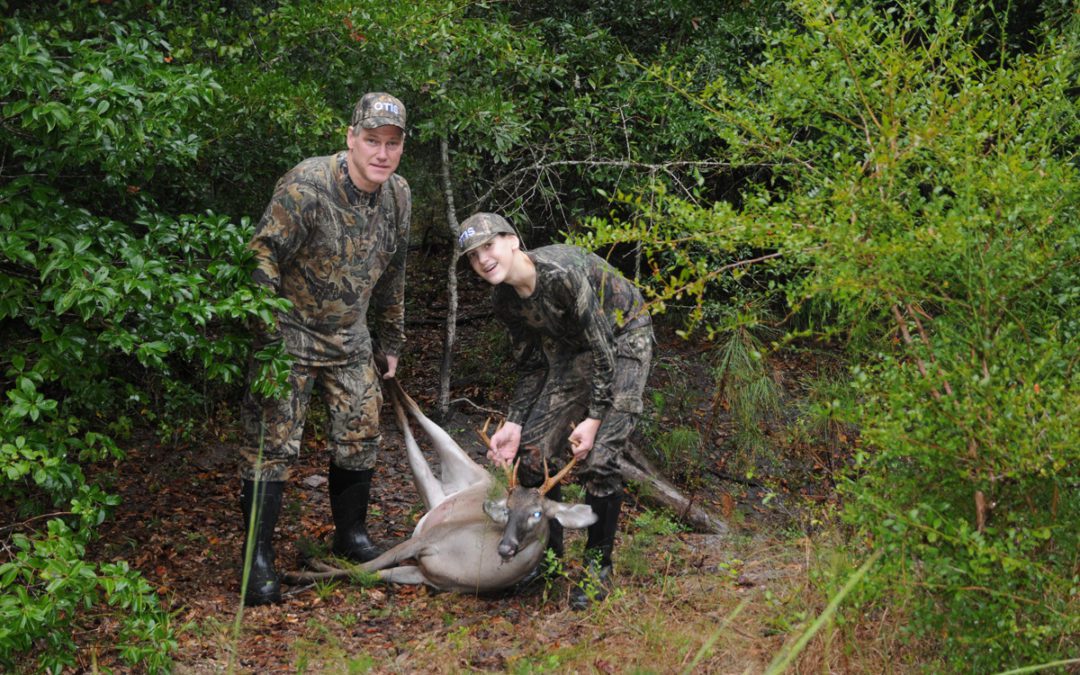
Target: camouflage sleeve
[[530, 366], [586, 310], [388, 295], [279, 234]]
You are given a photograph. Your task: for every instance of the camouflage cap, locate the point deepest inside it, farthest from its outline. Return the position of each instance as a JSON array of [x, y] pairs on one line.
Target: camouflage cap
[[377, 109], [478, 228]]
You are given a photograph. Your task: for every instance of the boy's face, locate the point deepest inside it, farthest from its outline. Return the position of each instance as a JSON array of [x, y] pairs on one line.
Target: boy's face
[[491, 260], [374, 154]]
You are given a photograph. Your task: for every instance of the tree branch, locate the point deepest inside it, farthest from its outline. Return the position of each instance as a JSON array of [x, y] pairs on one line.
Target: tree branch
[[902, 323], [541, 167]]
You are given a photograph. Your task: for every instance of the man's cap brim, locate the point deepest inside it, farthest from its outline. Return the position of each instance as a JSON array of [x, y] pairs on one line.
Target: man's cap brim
[[377, 121]]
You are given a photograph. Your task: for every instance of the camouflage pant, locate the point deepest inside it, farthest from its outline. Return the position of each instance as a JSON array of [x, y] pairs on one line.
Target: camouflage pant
[[353, 397], [564, 401]]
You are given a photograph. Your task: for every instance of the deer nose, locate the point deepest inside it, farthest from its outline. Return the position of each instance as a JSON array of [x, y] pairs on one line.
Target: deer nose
[[507, 549]]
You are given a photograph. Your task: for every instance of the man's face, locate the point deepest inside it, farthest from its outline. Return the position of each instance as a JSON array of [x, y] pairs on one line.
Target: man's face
[[373, 155]]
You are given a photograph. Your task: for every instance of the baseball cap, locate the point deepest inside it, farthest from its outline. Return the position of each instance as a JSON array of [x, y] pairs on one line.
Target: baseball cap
[[479, 228], [377, 109]]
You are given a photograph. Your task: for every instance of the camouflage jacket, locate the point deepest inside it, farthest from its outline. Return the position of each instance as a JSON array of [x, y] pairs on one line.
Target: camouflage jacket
[[580, 303], [333, 250]]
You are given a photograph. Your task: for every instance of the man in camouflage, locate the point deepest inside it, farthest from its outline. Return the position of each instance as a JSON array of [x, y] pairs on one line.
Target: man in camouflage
[[332, 241], [582, 344]]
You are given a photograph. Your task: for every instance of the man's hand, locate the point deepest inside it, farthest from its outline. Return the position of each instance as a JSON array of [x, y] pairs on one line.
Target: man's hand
[[504, 443], [391, 367], [583, 436]]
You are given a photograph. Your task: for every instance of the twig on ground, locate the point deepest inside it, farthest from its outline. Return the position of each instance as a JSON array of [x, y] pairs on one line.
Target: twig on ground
[[477, 406]]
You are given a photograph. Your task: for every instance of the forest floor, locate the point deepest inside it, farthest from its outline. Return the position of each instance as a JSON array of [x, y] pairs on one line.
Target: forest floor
[[686, 602]]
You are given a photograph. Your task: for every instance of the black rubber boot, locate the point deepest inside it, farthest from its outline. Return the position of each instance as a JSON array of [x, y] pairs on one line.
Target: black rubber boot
[[555, 528], [264, 497], [349, 495], [595, 582]]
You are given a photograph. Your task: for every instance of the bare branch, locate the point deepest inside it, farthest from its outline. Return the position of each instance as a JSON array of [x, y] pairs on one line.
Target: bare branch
[[914, 312], [542, 167], [902, 323], [475, 405], [25, 523]]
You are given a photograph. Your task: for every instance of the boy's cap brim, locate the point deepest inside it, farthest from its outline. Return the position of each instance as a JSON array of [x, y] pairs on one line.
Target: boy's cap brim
[[480, 228]]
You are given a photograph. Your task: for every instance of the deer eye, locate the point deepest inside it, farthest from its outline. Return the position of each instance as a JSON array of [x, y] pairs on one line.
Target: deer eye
[[537, 514]]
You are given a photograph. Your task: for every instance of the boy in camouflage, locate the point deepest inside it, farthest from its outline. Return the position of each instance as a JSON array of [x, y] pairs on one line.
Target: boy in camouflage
[[582, 344], [333, 242]]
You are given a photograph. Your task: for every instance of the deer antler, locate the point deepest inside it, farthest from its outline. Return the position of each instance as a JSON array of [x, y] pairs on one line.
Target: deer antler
[[482, 433], [552, 481], [511, 474]]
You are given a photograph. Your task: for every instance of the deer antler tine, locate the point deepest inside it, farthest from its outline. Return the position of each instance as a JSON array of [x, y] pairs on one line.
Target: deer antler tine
[[552, 481], [511, 473], [565, 470], [483, 435], [511, 482]]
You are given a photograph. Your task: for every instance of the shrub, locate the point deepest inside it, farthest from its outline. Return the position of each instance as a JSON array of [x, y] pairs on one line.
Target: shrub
[[110, 307], [922, 187]]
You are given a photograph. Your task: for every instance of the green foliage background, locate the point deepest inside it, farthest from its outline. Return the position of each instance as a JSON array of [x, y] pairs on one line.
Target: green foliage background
[[921, 207], [898, 180]]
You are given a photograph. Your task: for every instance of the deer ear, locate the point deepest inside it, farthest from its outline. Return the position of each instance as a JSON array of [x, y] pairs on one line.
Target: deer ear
[[496, 510], [575, 516]]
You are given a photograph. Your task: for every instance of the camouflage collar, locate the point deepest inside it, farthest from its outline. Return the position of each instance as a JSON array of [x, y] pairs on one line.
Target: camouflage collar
[[355, 195]]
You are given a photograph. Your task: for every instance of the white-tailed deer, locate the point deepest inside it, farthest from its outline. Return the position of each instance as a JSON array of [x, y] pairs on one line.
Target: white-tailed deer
[[473, 539]]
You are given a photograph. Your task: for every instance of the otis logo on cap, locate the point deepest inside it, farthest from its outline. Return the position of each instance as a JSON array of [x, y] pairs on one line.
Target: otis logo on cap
[[388, 107]]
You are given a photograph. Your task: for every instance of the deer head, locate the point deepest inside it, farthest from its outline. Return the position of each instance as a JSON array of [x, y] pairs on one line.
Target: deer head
[[525, 513]]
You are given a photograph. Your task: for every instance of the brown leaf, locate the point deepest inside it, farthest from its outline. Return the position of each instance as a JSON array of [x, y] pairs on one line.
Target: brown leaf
[[727, 505]]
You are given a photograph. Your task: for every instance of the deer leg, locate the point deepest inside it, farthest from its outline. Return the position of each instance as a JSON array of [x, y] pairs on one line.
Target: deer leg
[[405, 574], [458, 469], [325, 572], [429, 487]]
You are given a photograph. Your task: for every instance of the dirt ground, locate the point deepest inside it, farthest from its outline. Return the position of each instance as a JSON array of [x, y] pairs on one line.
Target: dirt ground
[[679, 592]]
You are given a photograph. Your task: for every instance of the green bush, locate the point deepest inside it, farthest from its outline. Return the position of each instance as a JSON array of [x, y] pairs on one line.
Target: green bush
[[47, 584], [917, 207], [111, 308]]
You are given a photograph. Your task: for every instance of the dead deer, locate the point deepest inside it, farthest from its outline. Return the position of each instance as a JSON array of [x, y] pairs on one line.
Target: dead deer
[[473, 538]]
